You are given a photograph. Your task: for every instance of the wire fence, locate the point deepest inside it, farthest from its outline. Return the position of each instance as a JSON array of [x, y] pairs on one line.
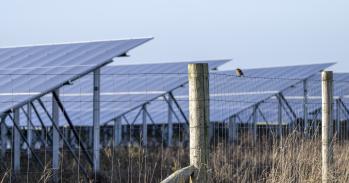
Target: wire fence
[[263, 128]]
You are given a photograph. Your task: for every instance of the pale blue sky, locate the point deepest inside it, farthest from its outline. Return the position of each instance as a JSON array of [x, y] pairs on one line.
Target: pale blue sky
[[254, 33]]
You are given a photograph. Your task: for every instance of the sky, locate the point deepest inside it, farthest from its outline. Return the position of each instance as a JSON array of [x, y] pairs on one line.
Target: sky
[[253, 33]]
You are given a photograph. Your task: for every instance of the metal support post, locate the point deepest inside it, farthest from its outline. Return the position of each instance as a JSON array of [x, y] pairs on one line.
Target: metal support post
[[305, 108], [144, 127], [169, 123], [16, 140], [254, 123], [117, 131], [29, 129], [55, 139], [3, 136], [232, 126], [96, 120], [279, 130], [338, 118]]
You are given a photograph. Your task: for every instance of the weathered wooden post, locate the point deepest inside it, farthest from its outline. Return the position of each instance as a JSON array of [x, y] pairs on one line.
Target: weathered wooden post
[[327, 124], [196, 172], [198, 120]]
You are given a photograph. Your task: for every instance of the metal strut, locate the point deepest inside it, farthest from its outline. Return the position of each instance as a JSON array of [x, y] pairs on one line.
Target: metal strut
[[25, 141], [61, 135], [66, 116]]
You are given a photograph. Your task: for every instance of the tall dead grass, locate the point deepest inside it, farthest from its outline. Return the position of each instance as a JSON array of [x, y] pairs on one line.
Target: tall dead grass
[[292, 159]]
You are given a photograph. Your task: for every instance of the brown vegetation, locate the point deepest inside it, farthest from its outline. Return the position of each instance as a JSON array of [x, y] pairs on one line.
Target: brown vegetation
[[294, 159]]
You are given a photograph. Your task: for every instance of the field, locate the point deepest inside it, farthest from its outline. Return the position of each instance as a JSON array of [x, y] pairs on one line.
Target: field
[[292, 159]]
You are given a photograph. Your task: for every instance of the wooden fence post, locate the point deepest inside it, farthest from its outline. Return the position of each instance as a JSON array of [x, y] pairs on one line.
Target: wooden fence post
[[327, 125], [198, 120]]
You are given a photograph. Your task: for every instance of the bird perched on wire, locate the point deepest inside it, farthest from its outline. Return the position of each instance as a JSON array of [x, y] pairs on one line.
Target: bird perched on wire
[[239, 72]]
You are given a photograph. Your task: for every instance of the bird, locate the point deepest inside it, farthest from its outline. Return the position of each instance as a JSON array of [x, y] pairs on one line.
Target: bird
[[239, 72]]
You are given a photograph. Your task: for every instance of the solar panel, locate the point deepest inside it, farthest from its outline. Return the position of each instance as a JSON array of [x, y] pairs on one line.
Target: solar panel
[[28, 72], [123, 87]]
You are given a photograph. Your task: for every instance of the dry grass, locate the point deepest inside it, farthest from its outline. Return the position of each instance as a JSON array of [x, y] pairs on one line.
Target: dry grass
[[294, 159]]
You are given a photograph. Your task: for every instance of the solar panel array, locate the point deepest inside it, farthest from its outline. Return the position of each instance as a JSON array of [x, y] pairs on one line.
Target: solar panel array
[[230, 95], [123, 87], [126, 87], [30, 71]]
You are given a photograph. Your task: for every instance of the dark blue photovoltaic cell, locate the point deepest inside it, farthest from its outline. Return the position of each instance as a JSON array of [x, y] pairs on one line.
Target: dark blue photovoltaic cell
[[29, 71], [122, 88]]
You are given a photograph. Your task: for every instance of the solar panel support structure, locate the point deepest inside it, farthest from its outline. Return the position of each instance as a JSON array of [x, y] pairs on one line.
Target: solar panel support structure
[[55, 138], [327, 125], [345, 110], [3, 136], [29, 130], [144, 127], [279, 130], [96, 121], [199, 119], [90, 136], [254, 122], [232, 126], [31, 125], [186, 125], [305, 107], [169, 122], [15, 120], [117, 131], [62, 135], [16, 142], [338, 118]]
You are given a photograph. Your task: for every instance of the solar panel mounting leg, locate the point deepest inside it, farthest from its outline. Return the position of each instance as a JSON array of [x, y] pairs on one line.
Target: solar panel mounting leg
[[144, 127], [3, 136], [29, 129], [55, 139], [63, 137], [232, 126], [279, 129], [90, 136], [169, 123], [254, 123], [305, 108], [186, 125], [117, 131], [96, 121], [16, 140], [338, 118]]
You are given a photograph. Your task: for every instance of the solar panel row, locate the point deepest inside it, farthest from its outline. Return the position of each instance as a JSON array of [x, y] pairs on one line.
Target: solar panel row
[[29, 72]]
